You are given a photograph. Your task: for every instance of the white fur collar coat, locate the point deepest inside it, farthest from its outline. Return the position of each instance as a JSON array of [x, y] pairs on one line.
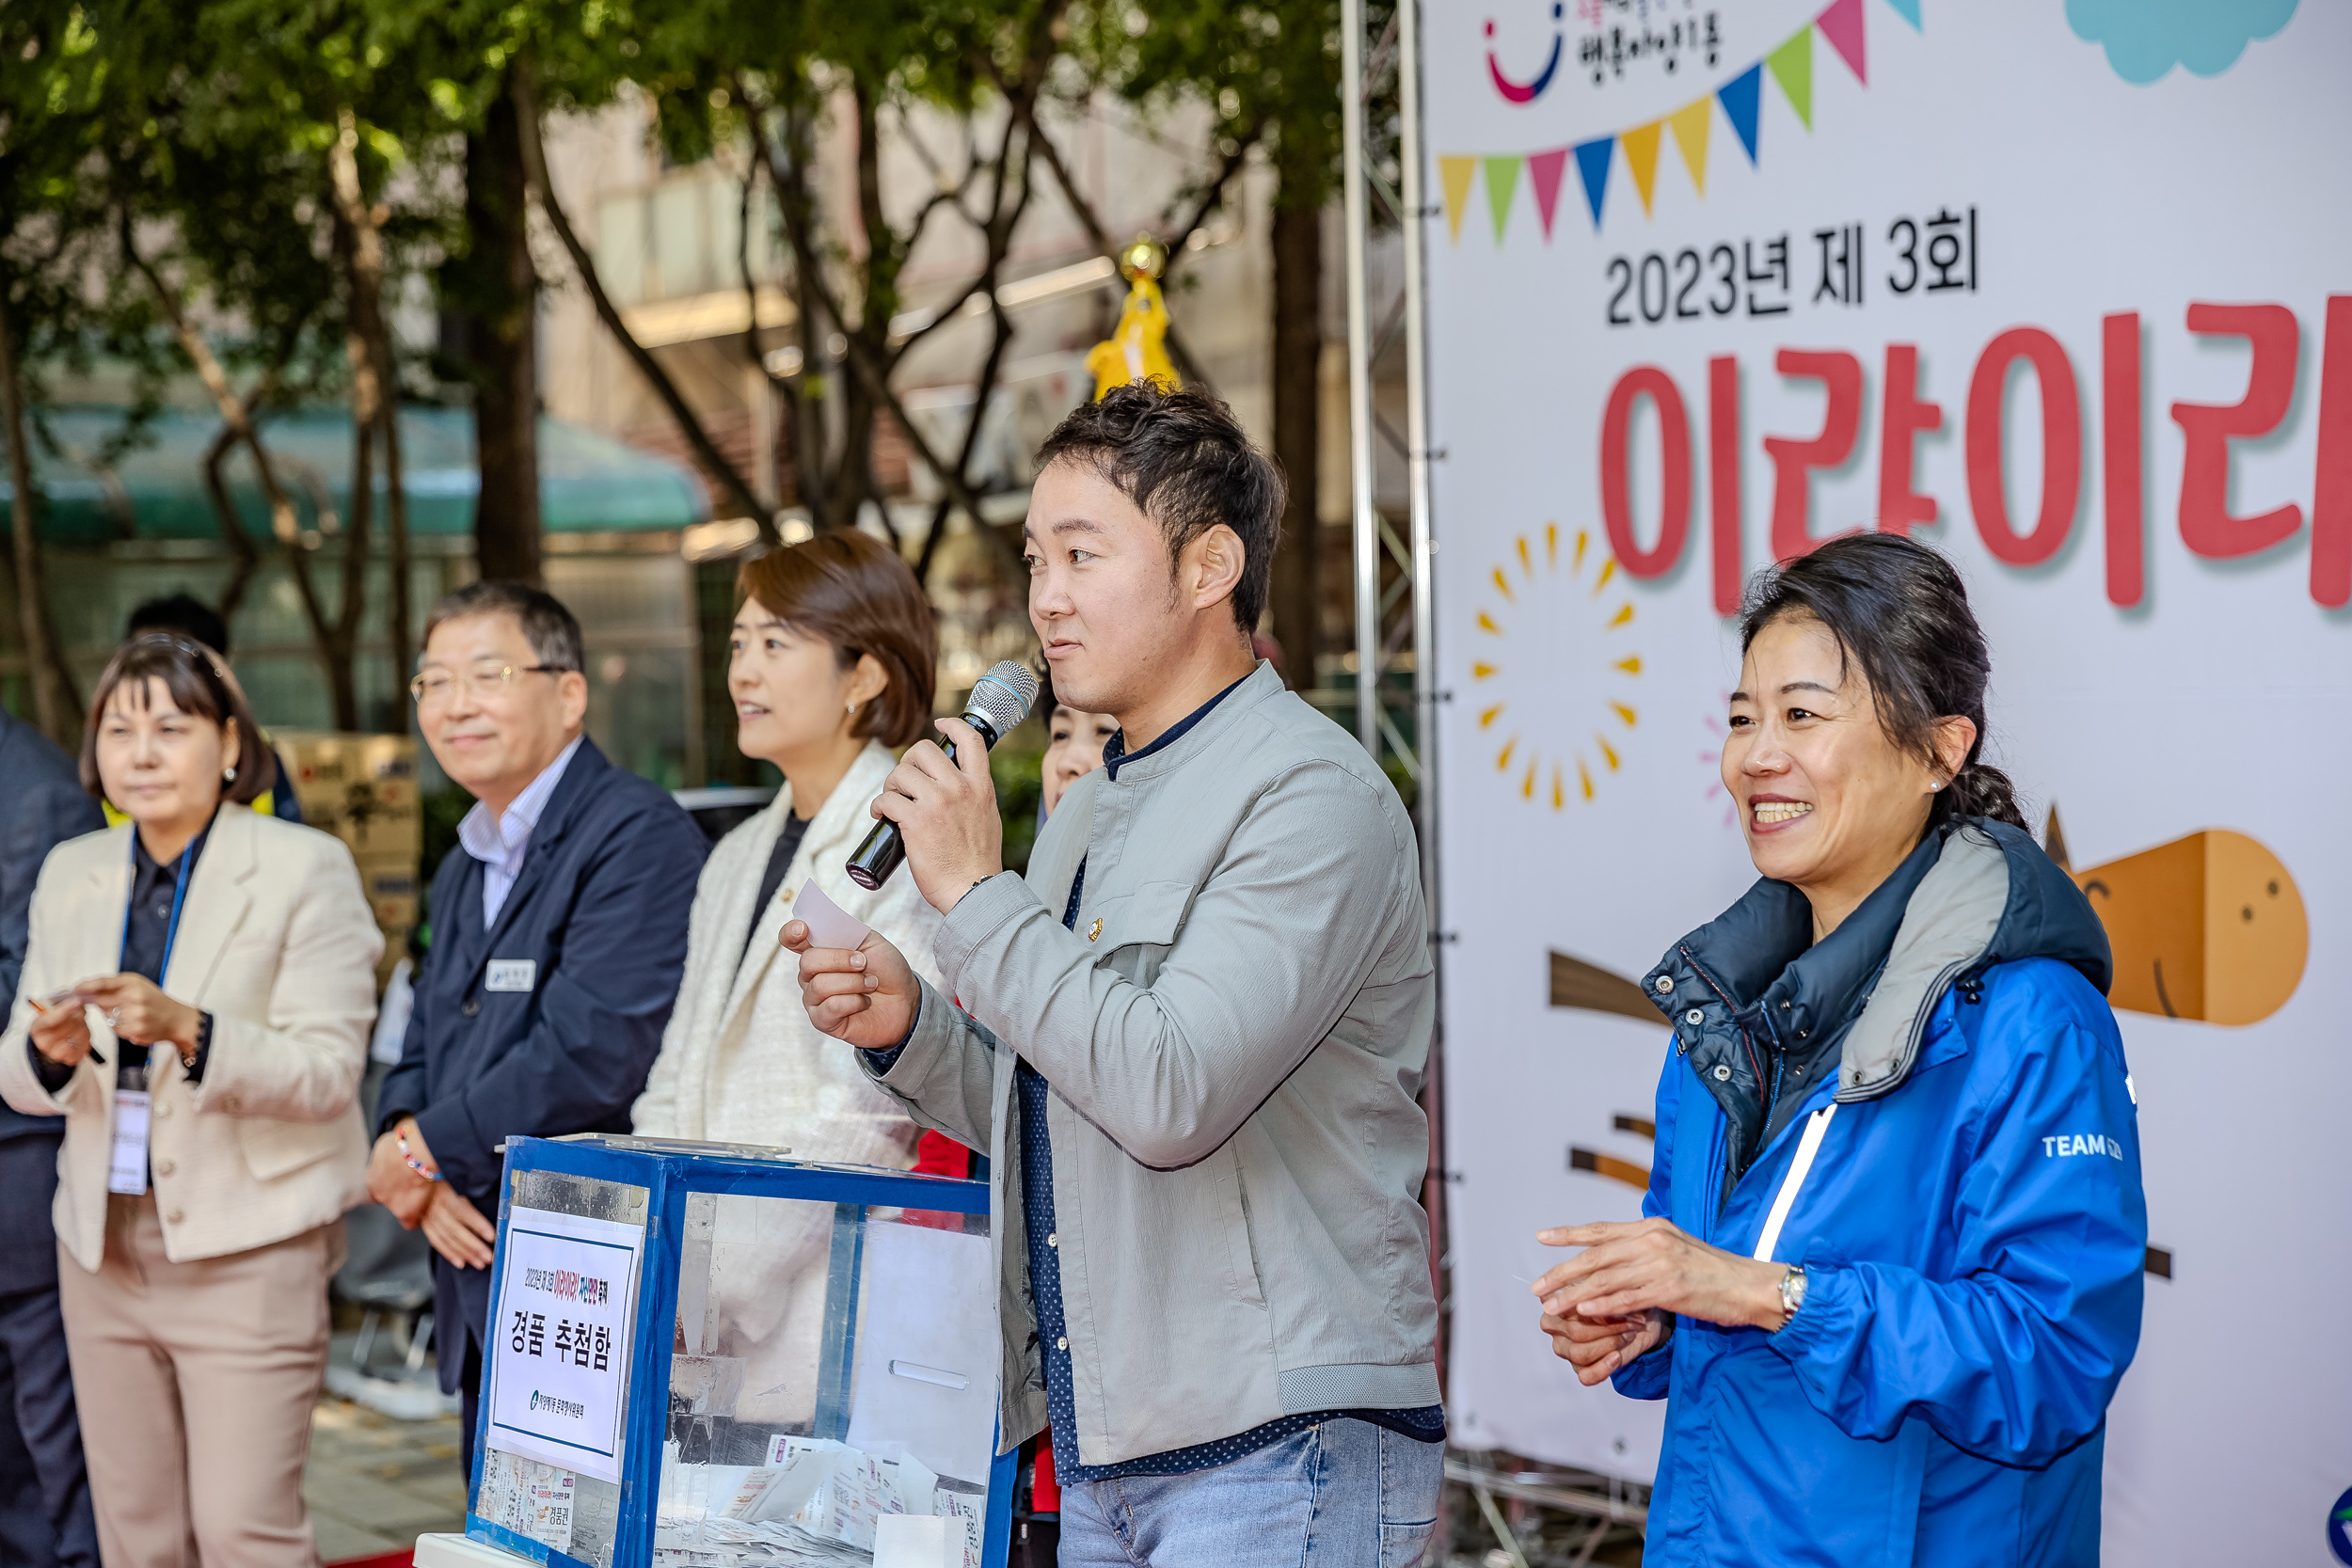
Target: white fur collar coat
[[741, 1062]]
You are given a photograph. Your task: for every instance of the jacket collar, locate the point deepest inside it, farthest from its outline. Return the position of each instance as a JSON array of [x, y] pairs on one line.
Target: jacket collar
[[1751, 997], [840, 815], [1200, 731], [217, 899], [582, 776]]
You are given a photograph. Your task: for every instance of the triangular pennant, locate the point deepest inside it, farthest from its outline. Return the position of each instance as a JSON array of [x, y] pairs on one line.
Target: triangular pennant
[[1689, 128], [1842, 25], [1738, 98], [1503, 182], [1908, 11], [1455, 175], [1641, 157], [1592, 167], [1792, 67], [1543, 172]]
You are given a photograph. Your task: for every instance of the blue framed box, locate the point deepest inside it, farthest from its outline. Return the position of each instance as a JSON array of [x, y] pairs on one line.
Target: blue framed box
[[706, 1356]]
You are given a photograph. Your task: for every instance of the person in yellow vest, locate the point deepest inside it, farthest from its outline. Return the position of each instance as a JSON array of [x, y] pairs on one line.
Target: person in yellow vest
[[192, 618]]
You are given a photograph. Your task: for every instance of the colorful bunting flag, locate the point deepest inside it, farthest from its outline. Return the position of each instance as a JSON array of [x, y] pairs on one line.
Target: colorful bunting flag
[[1543, 172], [1689, 124], [1455, 175], [1739, 98], [1842, 25], [1503, 180], [1641, 158], [1791, 65]]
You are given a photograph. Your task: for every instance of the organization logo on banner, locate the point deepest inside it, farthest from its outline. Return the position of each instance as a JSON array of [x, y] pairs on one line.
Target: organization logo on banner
[[2340, 1528], [1525, 93]]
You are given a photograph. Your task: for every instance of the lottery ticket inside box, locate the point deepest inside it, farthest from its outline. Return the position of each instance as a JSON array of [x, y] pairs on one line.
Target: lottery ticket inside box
[[706, 1356]]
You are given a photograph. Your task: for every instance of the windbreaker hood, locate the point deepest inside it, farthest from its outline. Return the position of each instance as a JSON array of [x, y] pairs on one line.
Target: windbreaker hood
[[1751, 992]]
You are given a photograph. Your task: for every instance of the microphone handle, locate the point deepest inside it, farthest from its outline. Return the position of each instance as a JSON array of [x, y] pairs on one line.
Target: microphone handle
[[883, 851]]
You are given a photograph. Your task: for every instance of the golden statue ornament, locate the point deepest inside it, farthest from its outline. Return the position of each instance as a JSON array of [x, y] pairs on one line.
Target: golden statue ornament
[[1136, 349]]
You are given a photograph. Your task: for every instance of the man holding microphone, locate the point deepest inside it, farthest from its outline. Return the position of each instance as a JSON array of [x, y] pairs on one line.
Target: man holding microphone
[[1189, 1039]]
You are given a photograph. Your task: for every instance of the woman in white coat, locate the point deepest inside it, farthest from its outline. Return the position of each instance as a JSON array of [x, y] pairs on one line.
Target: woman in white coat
[[195, 1003], [832, 664]]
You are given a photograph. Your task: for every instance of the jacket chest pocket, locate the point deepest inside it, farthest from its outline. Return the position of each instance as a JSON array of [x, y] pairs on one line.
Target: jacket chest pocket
[[1134, 931]]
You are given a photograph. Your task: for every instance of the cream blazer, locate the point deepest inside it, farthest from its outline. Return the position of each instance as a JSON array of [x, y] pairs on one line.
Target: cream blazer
[[276, 942], [741, 1062]]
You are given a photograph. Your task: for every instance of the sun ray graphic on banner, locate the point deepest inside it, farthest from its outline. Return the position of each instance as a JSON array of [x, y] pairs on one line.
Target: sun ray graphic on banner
[[1550, 676]]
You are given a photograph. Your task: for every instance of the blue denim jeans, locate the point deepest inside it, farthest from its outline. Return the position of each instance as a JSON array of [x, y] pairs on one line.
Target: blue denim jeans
[[1344, 1494]]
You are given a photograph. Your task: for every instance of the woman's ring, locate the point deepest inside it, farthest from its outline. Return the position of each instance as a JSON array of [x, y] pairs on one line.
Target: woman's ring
[[114, 1018]]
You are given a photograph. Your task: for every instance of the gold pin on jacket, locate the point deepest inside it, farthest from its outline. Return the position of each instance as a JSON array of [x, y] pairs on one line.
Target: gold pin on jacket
[[1096, 929]]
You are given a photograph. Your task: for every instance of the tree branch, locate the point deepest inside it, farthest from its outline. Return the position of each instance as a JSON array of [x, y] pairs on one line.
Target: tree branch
[[738, 495]]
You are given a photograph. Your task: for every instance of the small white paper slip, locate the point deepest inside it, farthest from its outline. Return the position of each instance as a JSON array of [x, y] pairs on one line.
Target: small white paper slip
[[511, 975], [917, 1540], [126, 1168], [829, 923]]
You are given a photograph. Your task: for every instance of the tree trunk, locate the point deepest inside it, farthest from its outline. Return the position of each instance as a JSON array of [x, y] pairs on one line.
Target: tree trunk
[[1296, 599], [503, 347], [56, 708]]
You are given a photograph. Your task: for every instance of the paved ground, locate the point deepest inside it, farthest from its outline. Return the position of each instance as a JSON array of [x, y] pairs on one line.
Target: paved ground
[[374, 1484]]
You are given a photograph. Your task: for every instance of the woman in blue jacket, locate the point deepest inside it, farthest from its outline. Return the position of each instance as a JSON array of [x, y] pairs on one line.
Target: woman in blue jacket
[[1889, 1274]]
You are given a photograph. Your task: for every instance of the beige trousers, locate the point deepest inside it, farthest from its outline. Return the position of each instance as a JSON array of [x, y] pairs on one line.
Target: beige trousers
[[196, 1383]]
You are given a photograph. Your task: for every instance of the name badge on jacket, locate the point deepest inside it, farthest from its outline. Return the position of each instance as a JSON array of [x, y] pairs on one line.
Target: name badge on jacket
[[511, 975]]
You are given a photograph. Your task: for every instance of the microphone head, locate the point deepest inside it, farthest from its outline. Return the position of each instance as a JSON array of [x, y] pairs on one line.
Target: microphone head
[[1002, 697]]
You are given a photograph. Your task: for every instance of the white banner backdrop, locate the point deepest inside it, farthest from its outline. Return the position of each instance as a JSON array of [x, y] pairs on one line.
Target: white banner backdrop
[[1714, 278]]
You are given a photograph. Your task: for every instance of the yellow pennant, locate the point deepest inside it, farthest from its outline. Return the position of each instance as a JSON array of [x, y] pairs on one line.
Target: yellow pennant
[[1689, 124], [1641, 156]]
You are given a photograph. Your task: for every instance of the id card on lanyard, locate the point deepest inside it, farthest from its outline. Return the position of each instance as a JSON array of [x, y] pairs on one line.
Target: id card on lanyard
[[126, 1165]]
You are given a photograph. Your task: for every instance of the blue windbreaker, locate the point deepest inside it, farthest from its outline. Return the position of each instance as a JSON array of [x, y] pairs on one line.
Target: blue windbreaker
[[1941, 1113]]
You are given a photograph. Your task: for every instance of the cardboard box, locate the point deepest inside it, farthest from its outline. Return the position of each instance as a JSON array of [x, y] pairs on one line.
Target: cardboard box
[[363, 788]]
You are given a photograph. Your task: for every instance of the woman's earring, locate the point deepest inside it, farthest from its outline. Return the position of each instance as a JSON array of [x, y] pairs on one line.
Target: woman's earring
[[852, 710], [1936, 785], [228, 775]]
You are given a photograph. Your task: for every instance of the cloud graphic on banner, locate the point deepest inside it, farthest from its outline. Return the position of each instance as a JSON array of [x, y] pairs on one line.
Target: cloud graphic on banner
[[2145, 39]]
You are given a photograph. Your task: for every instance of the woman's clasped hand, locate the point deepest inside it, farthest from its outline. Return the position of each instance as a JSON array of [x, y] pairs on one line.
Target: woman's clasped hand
[[1615, 1301]]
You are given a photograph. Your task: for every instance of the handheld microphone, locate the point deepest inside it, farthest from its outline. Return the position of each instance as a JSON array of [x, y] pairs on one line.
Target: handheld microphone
[[1000, 701]]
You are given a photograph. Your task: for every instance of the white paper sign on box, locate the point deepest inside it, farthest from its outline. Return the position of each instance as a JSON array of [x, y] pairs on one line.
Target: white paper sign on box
[[558, 1377], [917, 1540]]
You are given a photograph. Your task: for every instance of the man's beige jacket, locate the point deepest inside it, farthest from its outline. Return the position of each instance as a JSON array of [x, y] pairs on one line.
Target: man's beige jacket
[[1234, 1032]]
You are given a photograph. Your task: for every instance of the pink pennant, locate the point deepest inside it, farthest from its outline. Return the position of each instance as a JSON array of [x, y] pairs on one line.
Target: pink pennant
[[1842, 25], [1543, 169]]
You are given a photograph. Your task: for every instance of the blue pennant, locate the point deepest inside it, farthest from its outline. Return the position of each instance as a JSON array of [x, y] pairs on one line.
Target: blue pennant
[[1592, 166], [1738, 98], [1908, 11]]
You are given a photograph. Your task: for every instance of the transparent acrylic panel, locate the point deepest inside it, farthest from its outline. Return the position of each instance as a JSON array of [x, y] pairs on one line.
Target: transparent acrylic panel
[[575, 1514], [833, 1366]]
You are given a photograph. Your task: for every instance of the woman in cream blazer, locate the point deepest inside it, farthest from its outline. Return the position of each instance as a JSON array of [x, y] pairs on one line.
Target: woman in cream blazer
[[832, 662], [196, 1312]]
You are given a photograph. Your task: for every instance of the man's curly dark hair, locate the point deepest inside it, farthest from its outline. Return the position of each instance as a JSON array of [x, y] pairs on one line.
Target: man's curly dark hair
[[1187, 464]]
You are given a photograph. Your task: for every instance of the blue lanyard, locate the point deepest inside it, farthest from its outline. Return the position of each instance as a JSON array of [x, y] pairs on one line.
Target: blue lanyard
[[179, 896]]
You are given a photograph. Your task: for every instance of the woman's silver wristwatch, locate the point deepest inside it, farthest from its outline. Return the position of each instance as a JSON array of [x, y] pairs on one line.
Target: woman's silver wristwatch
[[1792, 1291]]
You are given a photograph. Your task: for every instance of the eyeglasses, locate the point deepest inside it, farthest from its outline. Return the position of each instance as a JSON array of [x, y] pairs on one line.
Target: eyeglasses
[[438, 686]]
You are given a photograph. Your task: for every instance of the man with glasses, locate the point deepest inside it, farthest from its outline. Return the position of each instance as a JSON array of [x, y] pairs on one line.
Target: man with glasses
[[558, 939]]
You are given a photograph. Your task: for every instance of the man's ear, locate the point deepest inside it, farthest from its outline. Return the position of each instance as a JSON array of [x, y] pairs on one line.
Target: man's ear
[[1213, 566]]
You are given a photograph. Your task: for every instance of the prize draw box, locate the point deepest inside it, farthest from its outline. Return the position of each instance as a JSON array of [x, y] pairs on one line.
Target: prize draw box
[[705, 1355]]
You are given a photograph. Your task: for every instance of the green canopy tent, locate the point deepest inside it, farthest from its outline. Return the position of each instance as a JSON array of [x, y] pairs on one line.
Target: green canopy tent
[[117, 533], [588, 482]]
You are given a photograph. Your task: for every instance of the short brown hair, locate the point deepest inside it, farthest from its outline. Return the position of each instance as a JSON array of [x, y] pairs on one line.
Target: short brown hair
[[197, 685], [856, 594], [1187, 463]]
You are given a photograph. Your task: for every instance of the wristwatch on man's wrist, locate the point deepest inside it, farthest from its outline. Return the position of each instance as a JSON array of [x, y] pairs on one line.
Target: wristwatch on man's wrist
[[1791, 1293]]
